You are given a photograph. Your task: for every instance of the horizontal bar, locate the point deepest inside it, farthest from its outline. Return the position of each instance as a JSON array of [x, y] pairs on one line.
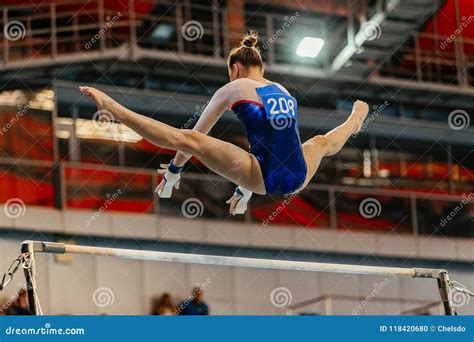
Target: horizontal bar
[[60, 248]]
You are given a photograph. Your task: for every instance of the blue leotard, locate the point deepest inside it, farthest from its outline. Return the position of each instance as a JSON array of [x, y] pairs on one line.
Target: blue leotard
[[272, 131]]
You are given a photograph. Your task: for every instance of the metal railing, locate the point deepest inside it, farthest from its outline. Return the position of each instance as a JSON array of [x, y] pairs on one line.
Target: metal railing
[[89, 186], [325, 305], [74, 30], [434, 62]]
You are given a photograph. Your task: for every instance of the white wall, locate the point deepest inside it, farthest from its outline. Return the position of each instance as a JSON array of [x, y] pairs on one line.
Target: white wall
[[68, 287], [155, 227]]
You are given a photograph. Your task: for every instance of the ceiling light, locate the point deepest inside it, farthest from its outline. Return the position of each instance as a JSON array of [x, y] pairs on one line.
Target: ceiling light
[[310, 47]]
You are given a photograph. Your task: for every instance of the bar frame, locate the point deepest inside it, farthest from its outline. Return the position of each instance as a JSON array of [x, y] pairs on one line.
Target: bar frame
[[33, 247]]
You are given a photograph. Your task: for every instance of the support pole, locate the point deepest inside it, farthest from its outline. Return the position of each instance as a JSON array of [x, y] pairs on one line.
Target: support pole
[[444, 292], [28, 247]]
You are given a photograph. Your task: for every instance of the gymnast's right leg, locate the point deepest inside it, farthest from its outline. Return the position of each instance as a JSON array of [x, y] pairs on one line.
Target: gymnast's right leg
[[225, 159]]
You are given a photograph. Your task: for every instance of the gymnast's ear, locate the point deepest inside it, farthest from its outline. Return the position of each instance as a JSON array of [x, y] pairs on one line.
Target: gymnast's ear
[[235, 71], [238, 67]]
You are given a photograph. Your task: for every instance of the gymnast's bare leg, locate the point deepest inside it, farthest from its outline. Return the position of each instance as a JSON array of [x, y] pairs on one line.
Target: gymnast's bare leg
[[329, 144], [225, 159]]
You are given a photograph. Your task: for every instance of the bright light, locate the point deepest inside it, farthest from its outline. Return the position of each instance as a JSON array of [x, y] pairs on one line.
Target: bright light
[[162, 33], [88, 129], [310, 47]]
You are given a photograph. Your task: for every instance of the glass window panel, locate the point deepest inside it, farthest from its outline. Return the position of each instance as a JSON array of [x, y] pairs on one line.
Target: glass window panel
[[463, 168], [309, 209], [375, 213], [33, 185], [26, 133], [446, 218], [203, 198], [143, 154], [402, 164], [110, 189], [99, 152]]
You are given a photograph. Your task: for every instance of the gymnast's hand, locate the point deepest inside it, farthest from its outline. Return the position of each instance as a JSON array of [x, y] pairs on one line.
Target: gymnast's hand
[[171, 179], [238, 202]]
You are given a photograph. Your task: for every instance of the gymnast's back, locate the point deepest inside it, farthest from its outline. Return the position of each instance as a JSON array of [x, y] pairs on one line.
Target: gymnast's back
[[269, 116]]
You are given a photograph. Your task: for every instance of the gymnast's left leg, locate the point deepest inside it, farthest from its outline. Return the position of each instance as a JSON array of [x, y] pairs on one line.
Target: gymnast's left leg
[[225, 159], [320, 146]]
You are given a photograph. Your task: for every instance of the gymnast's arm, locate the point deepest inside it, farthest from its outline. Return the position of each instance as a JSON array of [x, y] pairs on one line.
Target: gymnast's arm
[[211, 114], [172, 172]]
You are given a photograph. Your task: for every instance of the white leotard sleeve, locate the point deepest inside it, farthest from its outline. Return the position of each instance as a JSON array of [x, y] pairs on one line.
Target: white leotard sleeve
[[210, 115], [214, 110]]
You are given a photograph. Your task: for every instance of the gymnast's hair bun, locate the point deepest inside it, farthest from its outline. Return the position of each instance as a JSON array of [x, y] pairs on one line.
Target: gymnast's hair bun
[[250, 39], [247, 53]]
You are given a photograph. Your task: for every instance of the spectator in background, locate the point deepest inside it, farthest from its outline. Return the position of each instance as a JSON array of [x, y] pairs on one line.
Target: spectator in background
[[19, 307], [3, 306], [163, 306], [193, 305]]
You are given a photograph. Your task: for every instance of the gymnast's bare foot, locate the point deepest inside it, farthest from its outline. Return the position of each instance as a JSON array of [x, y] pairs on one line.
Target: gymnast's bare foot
[[105, 104], [359, 113]]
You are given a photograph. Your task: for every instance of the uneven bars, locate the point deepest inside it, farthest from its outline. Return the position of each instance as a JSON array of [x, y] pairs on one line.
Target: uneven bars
[[61, 248]]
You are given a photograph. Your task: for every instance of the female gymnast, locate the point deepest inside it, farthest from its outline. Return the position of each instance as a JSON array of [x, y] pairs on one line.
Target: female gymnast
[[277, 163]]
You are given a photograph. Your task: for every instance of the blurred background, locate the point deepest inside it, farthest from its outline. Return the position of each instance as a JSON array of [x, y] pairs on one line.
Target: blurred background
[[398, 194]]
